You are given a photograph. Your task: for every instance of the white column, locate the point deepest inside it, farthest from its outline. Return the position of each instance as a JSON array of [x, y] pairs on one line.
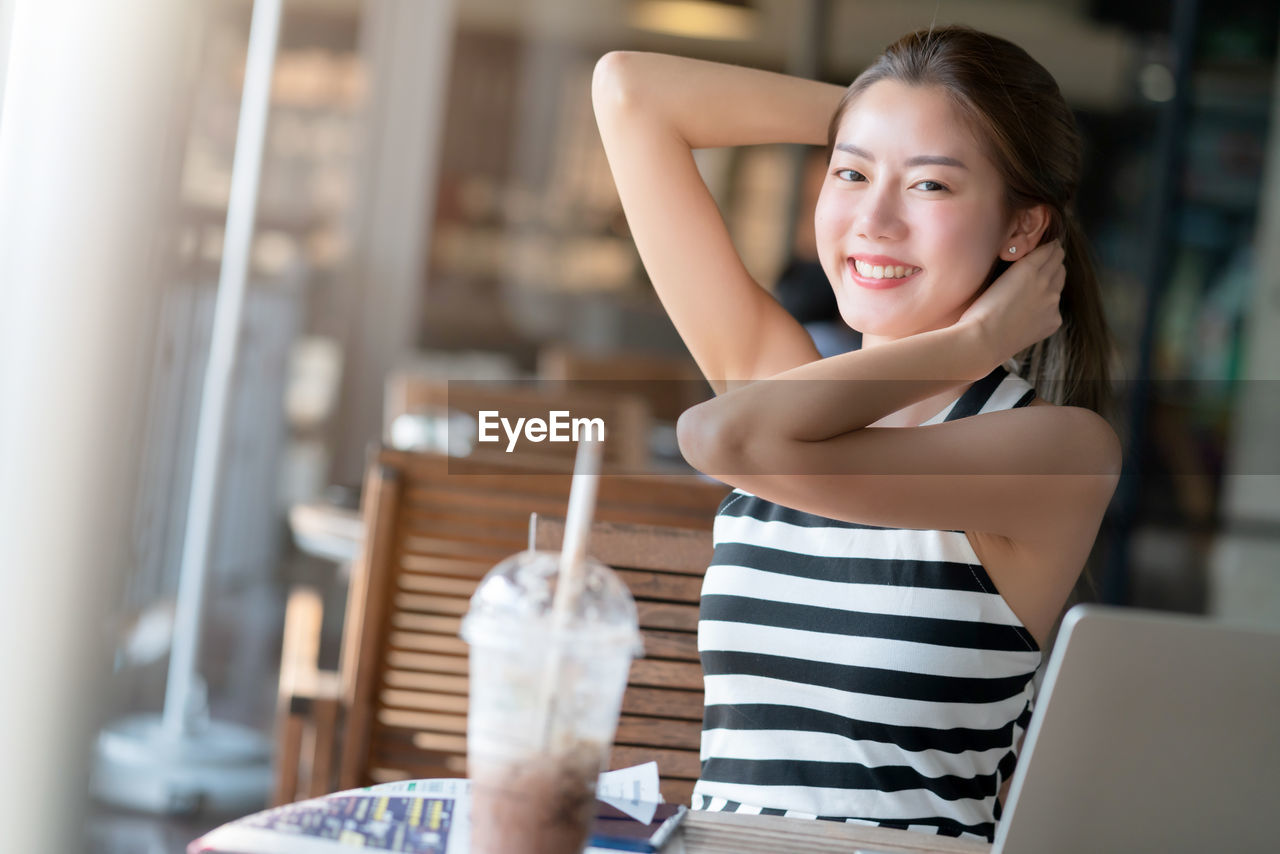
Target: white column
[[89, 94], [407, 46], [202, 503]]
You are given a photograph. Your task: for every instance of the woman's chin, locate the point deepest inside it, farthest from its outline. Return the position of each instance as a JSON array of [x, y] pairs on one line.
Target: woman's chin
[[876, 327], [891, 326]]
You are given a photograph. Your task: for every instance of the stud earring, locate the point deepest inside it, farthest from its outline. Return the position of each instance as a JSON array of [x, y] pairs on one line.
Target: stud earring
[[1013, 250]]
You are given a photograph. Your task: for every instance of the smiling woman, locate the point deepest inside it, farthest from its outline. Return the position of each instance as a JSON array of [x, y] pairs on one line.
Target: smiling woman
[[909, 518], [942, 212]]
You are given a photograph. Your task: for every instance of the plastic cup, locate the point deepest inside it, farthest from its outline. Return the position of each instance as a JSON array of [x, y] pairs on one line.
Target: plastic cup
[[544, 702]]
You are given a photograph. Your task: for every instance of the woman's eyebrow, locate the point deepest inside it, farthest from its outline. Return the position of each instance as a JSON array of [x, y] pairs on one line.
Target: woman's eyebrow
[[918, 160]]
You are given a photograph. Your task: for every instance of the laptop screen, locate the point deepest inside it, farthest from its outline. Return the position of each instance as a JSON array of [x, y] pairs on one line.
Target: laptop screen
[[1154, 732]]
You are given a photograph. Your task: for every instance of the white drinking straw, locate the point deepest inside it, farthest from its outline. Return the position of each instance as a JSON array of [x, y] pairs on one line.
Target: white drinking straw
[[577, 528], [577, 531]]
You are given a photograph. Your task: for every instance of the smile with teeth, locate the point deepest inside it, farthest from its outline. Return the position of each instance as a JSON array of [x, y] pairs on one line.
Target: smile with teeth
[[871, 271]]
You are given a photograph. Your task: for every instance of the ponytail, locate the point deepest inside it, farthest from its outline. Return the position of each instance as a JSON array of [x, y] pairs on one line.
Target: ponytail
[[1072, 367]]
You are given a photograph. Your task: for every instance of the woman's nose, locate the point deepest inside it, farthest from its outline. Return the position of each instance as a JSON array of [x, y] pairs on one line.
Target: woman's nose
[[878, 216]]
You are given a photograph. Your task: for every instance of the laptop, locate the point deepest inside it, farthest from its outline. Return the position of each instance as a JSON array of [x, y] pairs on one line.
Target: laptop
[[1153, 732]]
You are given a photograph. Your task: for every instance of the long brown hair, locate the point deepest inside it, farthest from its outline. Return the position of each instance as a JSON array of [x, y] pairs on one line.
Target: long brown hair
[[1016, 110]]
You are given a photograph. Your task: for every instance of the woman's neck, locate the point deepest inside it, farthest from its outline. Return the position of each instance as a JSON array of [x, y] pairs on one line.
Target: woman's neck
[[920, 411]]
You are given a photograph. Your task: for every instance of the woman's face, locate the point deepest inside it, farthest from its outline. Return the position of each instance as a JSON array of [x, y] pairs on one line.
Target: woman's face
[[909, 194]]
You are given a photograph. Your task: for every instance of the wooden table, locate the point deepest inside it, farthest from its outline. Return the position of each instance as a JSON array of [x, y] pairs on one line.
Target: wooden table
[[731, 833]]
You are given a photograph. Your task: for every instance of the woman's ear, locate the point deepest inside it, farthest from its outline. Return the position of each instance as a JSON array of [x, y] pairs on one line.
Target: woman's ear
[[1024, 234]]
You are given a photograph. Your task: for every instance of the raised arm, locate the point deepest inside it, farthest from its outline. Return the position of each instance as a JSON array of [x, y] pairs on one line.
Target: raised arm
[[653, 110]]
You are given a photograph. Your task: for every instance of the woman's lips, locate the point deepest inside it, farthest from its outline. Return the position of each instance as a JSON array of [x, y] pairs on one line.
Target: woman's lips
[[875, 284]]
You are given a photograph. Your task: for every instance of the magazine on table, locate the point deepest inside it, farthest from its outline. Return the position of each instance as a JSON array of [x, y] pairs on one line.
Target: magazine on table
[[433, 817]]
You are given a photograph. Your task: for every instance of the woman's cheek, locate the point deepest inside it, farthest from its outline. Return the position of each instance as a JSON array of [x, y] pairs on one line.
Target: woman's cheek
[[961, 239], [826, 239], [821, 224]]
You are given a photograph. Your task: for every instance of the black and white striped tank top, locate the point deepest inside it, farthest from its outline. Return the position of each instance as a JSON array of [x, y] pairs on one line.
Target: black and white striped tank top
[[861, 674]]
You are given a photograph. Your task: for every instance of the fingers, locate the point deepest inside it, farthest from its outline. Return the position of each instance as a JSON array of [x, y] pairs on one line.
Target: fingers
[[1043, 255], [1053, 258]]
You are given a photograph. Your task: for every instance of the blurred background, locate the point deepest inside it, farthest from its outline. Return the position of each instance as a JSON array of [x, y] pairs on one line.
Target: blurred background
[[434, 204]]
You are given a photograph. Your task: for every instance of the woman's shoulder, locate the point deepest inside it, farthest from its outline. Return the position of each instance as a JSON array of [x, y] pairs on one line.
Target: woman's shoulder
[[1089, 426], [1108, 439]]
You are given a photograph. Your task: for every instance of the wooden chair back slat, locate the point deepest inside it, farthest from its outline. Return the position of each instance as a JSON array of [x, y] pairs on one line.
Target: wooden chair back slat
[[621, 545], [666, 615], [682, 646], [662, 732]]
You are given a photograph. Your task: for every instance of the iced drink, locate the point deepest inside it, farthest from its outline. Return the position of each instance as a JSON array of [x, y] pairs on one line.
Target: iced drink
[[543, 804], [544, 703]]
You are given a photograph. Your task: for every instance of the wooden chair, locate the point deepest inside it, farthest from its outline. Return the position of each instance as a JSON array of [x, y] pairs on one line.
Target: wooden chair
[[308, 705], [435, 526]]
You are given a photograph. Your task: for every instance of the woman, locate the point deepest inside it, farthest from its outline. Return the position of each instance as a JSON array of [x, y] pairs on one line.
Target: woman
[[908, 519]]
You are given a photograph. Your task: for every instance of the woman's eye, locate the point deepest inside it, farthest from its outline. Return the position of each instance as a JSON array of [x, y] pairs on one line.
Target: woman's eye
[[857, 176], [932, 186]]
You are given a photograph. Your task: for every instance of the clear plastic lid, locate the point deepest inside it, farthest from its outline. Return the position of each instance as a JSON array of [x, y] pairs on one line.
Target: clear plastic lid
[[512, 605]]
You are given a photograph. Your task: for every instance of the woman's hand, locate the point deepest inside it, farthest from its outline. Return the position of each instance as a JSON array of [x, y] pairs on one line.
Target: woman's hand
[[1020, 307]]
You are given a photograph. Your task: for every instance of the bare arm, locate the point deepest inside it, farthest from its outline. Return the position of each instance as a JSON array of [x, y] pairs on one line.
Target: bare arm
[[653, 110], [712, 104], [1031, 474]]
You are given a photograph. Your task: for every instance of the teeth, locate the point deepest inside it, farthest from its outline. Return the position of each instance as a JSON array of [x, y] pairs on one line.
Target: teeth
[[881, 272]]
